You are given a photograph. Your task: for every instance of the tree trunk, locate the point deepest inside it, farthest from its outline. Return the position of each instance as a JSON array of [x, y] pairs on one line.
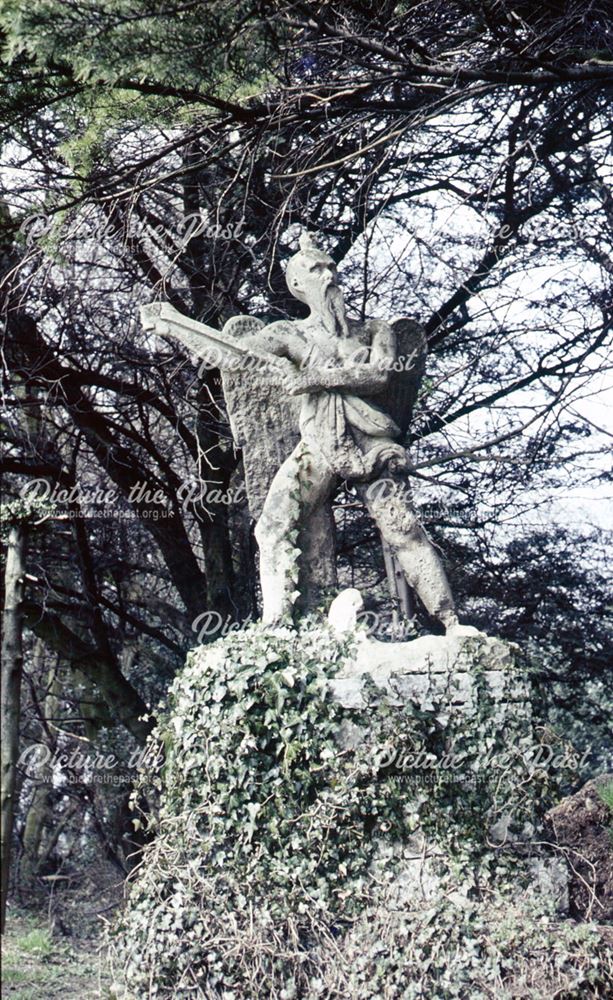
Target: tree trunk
[[124, 702], [39, 812], [12, 666]]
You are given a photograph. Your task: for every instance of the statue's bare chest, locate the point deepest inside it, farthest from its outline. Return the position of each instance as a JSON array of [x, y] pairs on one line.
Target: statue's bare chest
[[322, 347]]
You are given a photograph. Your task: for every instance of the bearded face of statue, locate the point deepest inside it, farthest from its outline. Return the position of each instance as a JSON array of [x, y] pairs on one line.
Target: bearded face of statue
[[313, 279]]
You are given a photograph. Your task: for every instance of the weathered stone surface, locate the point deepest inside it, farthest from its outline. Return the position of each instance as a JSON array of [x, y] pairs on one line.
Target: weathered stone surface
[[435, 670], [264, 420], [313, 402], [416, 879], [447, 674], [551, 881]]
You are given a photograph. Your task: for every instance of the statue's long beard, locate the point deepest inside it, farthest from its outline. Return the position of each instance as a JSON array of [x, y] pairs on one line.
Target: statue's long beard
[[333, 311]]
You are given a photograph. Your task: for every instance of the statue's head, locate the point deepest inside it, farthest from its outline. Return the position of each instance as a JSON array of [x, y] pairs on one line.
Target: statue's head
[[312, 278], [308, 270]]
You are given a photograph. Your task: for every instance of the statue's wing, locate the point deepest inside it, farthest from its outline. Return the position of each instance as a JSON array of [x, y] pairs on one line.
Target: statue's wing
[[264, 420], [405, 379]]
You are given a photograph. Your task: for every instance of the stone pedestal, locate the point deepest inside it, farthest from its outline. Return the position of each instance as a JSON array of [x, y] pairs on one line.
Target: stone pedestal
[[451, 676], [449, 672]]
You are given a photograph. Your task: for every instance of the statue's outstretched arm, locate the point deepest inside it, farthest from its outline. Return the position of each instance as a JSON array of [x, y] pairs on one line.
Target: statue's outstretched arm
[[279, 344], [223, 349]]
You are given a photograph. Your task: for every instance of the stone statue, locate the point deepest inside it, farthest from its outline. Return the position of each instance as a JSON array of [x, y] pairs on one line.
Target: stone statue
[[313, 402]]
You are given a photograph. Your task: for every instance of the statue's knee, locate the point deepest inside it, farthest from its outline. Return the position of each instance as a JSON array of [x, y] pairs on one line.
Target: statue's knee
[[400, 528]]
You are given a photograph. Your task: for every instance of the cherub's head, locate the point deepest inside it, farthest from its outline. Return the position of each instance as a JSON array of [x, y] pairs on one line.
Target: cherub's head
[[312, 278]]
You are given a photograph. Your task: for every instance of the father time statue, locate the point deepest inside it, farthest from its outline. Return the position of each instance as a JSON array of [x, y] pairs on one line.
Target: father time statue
[[355, 383]]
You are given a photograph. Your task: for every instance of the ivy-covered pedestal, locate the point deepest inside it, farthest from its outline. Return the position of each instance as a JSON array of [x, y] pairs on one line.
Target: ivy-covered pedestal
[[340, 821], [479, 675]]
